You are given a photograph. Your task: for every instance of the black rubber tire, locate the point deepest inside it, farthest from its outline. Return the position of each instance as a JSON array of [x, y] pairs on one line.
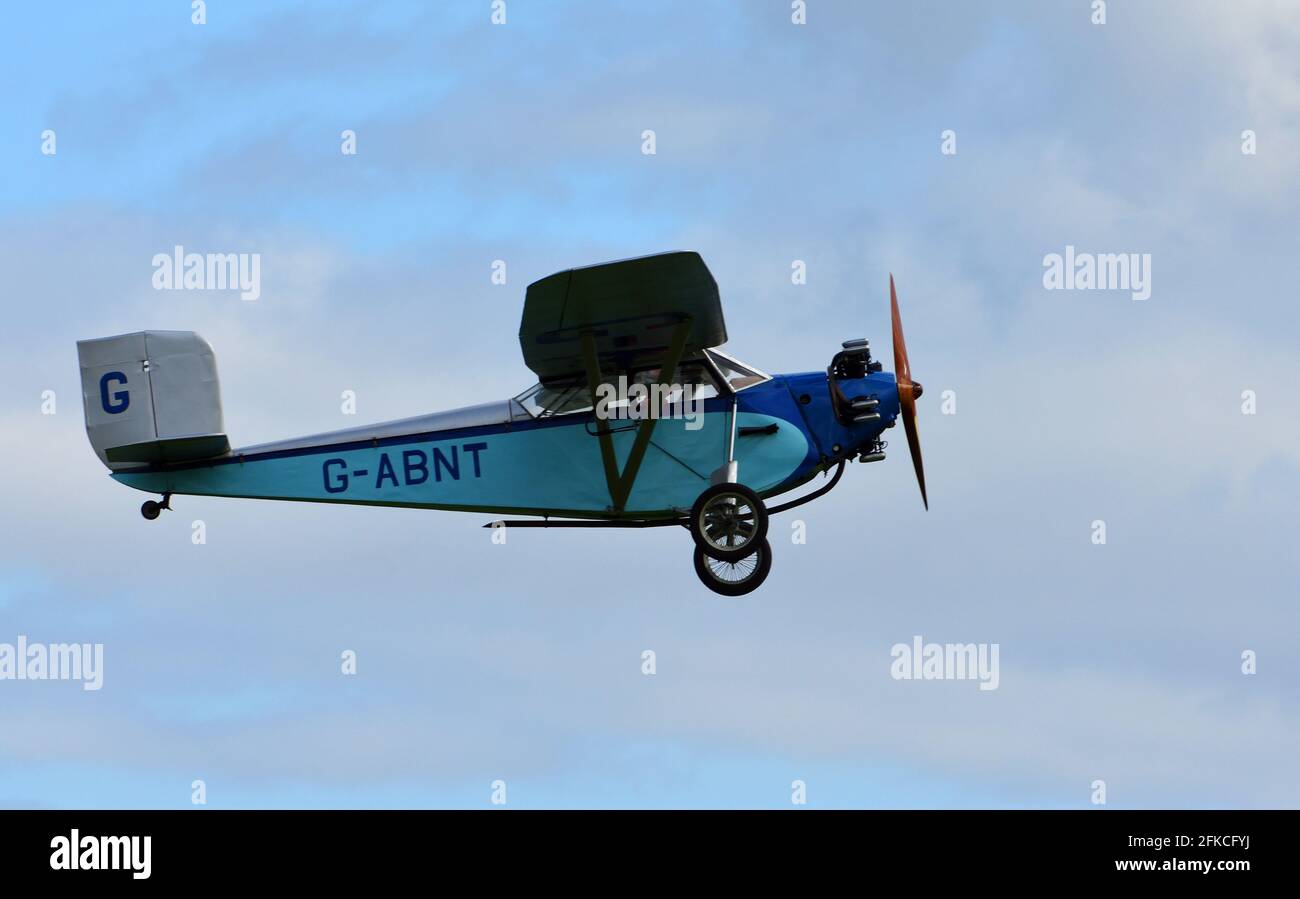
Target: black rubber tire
[[763, 551], [150, 510], [760, 523]]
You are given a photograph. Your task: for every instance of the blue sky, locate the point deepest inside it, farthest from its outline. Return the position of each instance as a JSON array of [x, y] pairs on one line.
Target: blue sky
[[775, 142]]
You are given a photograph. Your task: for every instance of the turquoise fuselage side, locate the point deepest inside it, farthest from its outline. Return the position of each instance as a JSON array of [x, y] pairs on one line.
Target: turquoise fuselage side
[[548, 466]]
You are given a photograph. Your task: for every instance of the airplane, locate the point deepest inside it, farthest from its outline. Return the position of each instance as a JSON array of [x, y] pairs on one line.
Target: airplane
[[637, 419]]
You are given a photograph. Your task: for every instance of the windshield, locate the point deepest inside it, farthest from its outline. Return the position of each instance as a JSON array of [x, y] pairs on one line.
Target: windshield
[[737, 374]]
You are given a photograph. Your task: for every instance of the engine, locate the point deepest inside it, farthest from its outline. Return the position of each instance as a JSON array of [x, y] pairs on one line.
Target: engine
[[853, 363]]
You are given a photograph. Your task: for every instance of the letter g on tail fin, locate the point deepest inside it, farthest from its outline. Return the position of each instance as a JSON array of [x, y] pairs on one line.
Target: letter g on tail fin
[[151, 397]]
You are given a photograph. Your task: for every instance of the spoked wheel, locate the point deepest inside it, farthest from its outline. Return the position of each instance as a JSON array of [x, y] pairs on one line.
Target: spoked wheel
[[735, 578], [728, 521]]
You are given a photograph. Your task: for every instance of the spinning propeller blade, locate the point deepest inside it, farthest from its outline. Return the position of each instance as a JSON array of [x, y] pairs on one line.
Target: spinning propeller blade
[[908, 391]]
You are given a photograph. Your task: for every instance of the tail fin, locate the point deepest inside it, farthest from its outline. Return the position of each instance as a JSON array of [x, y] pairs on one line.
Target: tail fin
[[151, 397]]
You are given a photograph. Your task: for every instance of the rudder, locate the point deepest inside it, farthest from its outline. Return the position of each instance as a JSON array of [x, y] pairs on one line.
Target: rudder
[[151, 397]]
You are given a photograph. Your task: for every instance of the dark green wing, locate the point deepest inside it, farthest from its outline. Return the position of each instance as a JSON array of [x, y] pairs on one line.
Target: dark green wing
[[631, 307]]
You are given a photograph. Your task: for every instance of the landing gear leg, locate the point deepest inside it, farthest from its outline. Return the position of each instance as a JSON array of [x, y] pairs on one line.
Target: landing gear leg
[[151, 510]]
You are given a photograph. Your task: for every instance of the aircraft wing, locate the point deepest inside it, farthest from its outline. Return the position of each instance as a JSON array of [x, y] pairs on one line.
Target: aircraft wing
[[631, 308]]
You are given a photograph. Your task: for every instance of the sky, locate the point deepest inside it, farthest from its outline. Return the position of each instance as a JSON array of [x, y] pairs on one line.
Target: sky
[[822, 142]]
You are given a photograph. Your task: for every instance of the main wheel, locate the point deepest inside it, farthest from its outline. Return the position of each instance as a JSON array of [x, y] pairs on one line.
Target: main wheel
[[735, 578], [728, 521], [150, 510]]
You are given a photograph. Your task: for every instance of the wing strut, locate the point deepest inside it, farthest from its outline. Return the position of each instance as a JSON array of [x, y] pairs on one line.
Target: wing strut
[[602, 426], [620, 484]]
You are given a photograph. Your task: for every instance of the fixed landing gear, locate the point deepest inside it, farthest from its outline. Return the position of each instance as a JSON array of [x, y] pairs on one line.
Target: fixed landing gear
[[735, 578], [729, 525], [728, 521], [151, 510]]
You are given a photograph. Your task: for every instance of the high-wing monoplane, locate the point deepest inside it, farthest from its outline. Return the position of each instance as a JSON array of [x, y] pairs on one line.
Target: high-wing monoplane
[[637, 419]]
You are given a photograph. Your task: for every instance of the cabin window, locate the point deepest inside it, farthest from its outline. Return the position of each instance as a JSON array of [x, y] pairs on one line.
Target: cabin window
[[556, 398], [692, 375], [569, 395]]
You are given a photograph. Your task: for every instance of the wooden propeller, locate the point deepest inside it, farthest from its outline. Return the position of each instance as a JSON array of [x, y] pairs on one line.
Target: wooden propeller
[[908, 391]]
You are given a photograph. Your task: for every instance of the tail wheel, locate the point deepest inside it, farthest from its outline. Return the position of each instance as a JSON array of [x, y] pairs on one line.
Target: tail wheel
[[728, 521], [151, 510], [735, 578]]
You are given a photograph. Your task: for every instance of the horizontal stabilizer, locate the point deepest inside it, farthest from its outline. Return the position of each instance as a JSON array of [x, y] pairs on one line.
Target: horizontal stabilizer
[[180, 449]]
